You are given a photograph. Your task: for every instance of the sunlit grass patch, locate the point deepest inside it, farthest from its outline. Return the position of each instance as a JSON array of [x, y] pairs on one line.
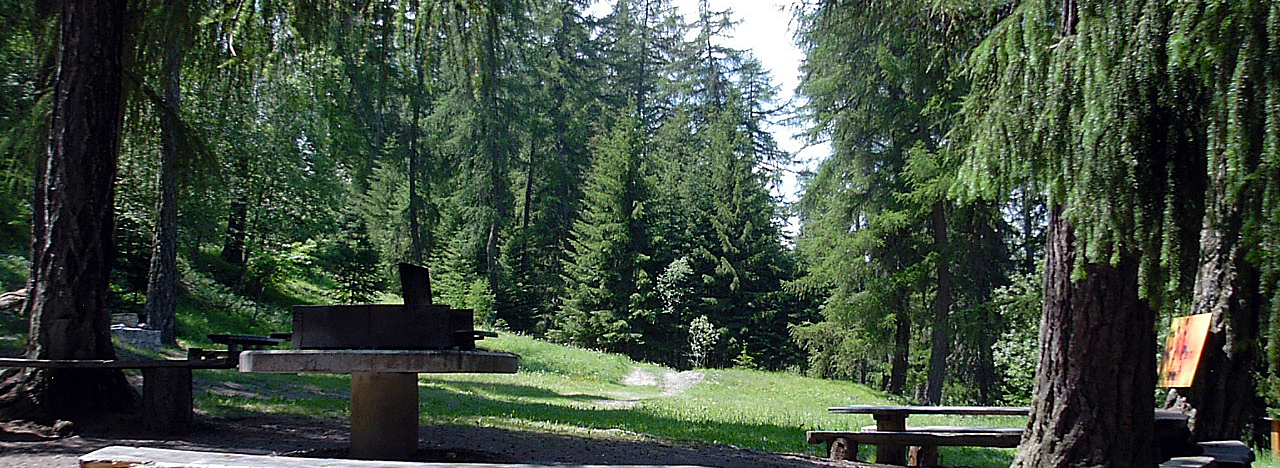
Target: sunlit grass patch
[[233, 405]]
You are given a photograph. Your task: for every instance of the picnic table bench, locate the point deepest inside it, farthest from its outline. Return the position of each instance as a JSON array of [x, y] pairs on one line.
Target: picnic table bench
[[166, 384], [892, 436]]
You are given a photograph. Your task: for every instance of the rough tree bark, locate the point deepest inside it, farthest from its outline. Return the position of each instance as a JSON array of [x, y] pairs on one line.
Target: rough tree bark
[[1222, 394], [1095, 384], [941, 337], [72, 224], [162, 284]]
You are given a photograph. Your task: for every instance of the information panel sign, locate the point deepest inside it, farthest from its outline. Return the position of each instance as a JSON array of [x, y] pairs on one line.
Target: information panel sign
[[1182, 352]]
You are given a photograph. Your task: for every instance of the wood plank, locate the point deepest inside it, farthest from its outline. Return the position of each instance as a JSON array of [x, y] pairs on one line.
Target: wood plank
[[130, 457], [993, 430], [956, 410], [1189, 462], [117, 364], [1228, 453], [246, 340], [970, 439]]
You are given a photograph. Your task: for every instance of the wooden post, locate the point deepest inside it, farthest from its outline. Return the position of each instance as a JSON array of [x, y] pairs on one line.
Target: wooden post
[[384, 415], [924, 456], [842, 449], [890, 454], [166, 399]]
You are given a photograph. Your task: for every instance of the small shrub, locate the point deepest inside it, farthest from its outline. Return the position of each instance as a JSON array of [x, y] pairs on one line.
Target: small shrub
[[13, 272], [1017, 352], [702, 340], [745, 361]]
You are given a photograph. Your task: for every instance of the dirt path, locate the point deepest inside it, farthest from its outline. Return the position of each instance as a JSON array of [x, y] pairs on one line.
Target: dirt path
[[672, 383]]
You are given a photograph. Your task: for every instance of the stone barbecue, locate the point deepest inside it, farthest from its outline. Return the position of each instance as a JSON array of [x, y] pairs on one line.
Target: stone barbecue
[[384, 348], [417, 324]]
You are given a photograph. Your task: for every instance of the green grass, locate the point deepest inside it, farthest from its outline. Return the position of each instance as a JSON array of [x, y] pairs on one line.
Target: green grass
[[1265, 460], [13, 271], [568, 390]]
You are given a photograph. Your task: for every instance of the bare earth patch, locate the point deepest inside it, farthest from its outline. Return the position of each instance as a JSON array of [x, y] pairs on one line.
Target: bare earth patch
[[670, 382], [281, 434]]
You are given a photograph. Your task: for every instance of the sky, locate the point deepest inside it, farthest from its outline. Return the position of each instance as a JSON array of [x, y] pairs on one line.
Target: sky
[[765, 28]]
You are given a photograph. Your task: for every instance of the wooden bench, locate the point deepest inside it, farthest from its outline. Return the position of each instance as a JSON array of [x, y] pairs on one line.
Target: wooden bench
[[892, 437], [1216, 454], [128, 457], [923, 441], [166, 385]]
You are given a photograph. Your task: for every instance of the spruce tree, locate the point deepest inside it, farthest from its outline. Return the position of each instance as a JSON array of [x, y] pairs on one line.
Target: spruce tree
[[741, 258], [610, 300]]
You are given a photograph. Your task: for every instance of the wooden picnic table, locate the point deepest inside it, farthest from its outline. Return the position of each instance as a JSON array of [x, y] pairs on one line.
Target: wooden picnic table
[[891, 424], [892, 436], [235, 344]]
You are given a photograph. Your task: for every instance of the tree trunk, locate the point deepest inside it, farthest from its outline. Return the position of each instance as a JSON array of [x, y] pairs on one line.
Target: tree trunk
[[941, 337], [528, 195], [1227, 285], [1094, 386], [233, 241], [492, 136], [901, 350], [416, 246], [1028, 247], [162, 284], [73, 218]]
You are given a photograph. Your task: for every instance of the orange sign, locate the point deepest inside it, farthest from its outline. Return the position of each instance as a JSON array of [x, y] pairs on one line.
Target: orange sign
[[1182, 352]]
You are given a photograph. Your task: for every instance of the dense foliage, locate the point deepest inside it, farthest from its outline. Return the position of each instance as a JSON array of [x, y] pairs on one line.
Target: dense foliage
[[548, 165], [897, 258], [603, 174]]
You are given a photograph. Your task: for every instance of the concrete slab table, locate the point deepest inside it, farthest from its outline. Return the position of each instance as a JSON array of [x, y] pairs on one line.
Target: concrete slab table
[[384, 387]]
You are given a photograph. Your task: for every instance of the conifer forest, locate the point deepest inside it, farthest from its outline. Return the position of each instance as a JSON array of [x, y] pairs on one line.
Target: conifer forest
[[1012, 186]]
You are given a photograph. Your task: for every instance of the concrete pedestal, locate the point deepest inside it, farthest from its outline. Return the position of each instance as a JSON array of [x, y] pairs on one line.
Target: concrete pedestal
[[384, 387], [384, 415]]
